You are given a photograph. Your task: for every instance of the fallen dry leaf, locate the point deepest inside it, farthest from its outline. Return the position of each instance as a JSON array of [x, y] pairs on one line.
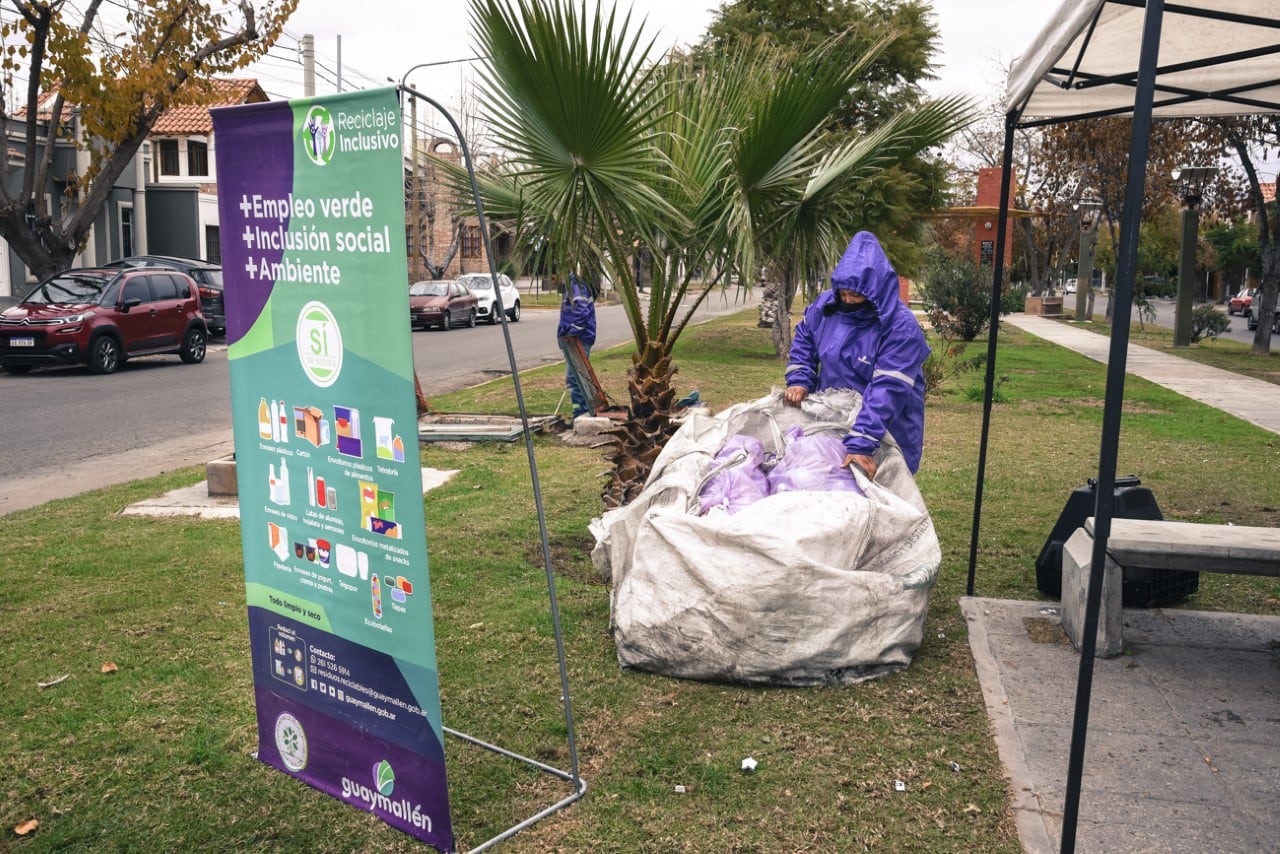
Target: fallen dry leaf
[[25, 827], [109, 667]]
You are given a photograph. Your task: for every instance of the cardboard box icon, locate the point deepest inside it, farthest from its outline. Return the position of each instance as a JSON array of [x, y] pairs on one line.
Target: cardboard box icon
[[306, 423]]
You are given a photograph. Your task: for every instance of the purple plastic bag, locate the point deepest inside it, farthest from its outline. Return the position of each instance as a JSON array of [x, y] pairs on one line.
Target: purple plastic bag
[[740, 484], [812, 463]]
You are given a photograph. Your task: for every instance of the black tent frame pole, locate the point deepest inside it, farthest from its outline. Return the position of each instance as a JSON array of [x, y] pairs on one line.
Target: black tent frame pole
[[1126, 267], [997, 290]]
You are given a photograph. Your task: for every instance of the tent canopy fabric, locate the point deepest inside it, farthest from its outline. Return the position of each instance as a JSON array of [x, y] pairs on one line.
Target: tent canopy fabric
[[1217, 58]]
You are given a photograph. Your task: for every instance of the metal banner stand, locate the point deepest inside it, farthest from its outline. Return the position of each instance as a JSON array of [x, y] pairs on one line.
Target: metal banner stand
[[571, 776]]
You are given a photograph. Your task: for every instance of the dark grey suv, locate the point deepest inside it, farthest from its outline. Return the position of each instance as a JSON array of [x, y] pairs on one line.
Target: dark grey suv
[[206, 274]]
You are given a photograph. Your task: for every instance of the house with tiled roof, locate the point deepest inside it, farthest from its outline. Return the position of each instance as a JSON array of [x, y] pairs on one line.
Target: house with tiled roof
[[180, 161], [165, 202]]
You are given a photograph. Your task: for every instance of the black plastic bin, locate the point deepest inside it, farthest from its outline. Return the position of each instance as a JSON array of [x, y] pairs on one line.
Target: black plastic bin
[[1141, 588]]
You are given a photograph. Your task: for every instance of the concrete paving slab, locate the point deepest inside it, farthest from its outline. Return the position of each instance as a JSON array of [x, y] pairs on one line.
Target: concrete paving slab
[[1183, 747], [196, 501]]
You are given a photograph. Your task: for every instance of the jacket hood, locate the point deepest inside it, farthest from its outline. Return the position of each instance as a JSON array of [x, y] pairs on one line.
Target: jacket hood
[[865, 269]]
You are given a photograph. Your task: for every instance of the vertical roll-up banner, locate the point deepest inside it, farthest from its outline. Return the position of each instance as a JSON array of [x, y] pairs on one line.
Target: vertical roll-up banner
[[311, 206]]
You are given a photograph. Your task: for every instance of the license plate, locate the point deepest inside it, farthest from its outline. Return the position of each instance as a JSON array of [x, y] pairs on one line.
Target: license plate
[[22, 342]]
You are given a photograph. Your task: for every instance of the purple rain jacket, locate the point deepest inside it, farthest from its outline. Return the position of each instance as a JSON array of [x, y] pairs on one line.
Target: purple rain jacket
[[878, 353], [578, 312]]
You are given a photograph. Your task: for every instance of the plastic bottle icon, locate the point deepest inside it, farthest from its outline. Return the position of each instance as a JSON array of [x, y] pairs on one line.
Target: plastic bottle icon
[[264, 420], [376, 587]]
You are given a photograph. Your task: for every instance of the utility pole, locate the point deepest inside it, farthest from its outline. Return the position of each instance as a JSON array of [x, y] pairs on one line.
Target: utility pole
[[1192, 179], [1090, 208], [307, 47]]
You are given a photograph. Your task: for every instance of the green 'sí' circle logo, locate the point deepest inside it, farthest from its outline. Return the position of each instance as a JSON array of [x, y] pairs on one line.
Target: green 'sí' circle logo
[[291, 742], [319, 138], [319, 342]]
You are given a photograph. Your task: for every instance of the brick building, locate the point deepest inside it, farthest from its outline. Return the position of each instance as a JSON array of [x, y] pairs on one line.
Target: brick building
[[441, 241]]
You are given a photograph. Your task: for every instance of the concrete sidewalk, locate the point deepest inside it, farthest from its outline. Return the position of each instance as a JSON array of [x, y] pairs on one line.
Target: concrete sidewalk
[[1183, 745], [1252, 400]]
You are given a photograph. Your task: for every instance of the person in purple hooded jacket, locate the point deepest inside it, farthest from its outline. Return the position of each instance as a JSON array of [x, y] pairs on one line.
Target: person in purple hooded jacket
[[858, 335], [577, 320]]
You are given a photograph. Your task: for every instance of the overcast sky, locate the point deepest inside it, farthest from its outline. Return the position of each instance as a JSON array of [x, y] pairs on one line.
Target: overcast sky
[[372, 40]]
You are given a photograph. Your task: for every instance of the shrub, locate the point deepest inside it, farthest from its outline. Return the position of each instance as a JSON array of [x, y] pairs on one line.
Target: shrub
[[956, 294], [946, 361], [1014, 298], [1207, 322]]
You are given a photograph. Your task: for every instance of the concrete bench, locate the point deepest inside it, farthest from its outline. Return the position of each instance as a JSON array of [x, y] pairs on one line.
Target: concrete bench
[[1151, 544]]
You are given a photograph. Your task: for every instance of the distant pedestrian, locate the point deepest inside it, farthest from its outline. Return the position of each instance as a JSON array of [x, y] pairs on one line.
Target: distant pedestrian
[[577, 321], [859, 335]]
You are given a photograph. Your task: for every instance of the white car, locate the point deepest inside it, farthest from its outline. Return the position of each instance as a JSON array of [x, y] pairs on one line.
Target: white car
[[1069, 287], [481, 284]]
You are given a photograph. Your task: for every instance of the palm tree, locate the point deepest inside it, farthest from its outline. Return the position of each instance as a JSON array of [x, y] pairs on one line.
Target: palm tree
[[717, 165]]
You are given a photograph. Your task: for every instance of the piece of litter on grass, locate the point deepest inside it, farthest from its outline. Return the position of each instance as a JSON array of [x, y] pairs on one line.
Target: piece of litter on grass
[[25, 827], [748, 764], [64, 677], [110, 667], [679, 790], [899, 786], [955, 766]]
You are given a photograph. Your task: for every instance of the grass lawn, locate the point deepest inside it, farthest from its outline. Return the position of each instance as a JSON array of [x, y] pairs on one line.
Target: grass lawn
[[156, 756]]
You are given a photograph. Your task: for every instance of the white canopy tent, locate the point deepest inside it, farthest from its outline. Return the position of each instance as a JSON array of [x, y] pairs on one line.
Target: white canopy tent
[[1216, 58], [1144, 59]]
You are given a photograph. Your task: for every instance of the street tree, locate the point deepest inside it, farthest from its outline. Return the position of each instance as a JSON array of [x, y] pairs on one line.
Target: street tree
[[1233, 250], [1253, 139], [711, 166], [892, 44], [1092, 155], [889, 79], [100, 85]]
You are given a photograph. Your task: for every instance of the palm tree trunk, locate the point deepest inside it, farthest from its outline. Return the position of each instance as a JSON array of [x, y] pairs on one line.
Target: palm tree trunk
[[636, 443], [782, 318]]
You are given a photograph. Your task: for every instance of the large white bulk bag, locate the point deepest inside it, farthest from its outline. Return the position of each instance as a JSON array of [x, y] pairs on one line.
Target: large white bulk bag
[[797, 588]]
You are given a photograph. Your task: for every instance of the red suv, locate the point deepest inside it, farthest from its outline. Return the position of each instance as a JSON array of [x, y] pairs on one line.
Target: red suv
[[101, 317]]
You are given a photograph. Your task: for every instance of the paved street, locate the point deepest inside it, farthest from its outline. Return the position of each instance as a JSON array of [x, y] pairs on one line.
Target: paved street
[[68, 431]]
